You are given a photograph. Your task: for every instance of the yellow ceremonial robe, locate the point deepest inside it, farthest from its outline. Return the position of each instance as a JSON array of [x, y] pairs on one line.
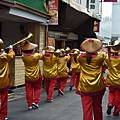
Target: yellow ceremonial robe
[[91, 75], [32, 66], [4, 68], [113, 77]]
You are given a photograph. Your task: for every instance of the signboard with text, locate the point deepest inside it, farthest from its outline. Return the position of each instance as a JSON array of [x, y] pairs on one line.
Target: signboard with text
[[96, 26], [53, 11]]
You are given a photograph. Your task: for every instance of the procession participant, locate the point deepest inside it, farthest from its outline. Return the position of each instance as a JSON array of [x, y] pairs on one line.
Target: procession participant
[[33, 78], [50, 71], [62, 71], [5, 81], [75, 68], [104, 64], [91, 85], [113, 80]]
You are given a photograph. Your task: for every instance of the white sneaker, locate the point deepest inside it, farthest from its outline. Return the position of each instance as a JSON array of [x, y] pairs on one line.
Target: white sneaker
[[30, 108], [6, 118], [49, 100], [35, 106], [61, 92]]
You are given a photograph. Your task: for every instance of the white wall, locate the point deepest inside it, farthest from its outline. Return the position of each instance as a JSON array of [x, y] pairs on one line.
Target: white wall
[[106, 22], [83, 2], [116, 20]]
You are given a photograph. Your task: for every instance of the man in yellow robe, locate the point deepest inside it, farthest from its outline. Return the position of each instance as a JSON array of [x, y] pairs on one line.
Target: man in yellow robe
[[62, 71], [74, 69], [33, 78], [5, 82], [113, 80], [91, 85], [50, 71]]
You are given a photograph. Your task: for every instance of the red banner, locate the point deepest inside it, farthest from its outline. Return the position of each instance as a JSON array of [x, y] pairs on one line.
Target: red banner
[[53, 11], [96, 26], [110, 0]]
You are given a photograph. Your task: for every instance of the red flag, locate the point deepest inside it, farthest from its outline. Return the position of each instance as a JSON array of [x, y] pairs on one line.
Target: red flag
[[110, 0]]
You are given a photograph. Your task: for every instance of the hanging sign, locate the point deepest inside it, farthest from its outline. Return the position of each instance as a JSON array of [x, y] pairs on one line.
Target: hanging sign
[[53, 11]]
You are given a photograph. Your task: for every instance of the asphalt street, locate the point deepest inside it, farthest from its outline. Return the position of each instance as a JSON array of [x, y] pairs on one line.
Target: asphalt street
[[67, 107]]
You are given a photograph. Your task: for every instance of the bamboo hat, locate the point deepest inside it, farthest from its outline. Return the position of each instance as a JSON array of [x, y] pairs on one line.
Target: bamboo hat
[[114, 51], [1, 44], [91, 45], [75, 49], [57, 52], [49, 49], [115, 46], [29, 46]]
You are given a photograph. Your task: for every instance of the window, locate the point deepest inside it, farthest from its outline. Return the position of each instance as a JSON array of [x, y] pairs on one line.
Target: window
[[92, 1], [92, 6]]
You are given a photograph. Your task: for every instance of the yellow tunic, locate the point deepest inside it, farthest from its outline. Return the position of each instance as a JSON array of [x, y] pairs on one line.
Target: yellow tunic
[[32, 66], [113, 77], [62, 66], [75, 67], [50, 67], [4, 68], [91, 75]]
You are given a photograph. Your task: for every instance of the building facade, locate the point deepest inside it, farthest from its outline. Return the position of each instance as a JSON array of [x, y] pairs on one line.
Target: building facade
[[74, 23]]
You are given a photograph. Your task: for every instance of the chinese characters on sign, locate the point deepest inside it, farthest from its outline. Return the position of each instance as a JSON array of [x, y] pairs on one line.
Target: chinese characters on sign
[[96, 26], [53, 11]]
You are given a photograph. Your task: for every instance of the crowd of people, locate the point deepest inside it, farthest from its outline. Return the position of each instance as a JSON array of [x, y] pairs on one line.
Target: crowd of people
[[87, 75]]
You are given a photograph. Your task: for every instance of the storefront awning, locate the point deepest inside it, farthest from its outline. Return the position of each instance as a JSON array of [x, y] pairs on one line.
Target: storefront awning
[[75, 18], [81, 8], [16, 12]]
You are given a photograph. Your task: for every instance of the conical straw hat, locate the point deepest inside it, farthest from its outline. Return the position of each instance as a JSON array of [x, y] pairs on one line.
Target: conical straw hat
[[29, 46], [91, 45]]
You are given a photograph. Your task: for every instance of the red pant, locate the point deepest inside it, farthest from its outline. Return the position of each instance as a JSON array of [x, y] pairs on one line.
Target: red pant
[[114, 99], [4, 104], [61, 84], [50, 85], [92, 105], [75, 79], [104, 67], [33, 91]]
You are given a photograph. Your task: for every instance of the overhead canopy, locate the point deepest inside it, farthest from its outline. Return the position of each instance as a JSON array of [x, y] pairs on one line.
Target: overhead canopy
[[74, 18], [16, 12]]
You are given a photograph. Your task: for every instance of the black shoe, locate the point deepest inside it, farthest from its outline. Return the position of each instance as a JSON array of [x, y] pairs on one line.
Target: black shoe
[[61, 92], [35, 106], [109, 110], [70, 88]]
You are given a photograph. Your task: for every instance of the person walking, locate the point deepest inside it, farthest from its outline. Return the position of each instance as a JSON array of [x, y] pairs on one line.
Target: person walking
[[62, 71], [113, 79], [50, 71], [5, 81], [91, 85], [75, 69], [33, 77]]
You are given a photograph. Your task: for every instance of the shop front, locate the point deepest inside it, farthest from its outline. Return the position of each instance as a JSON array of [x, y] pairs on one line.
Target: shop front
[[16, 22], [73, 18]]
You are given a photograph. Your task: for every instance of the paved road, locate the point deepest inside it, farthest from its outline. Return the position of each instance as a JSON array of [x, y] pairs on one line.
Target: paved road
[[67, 107]]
